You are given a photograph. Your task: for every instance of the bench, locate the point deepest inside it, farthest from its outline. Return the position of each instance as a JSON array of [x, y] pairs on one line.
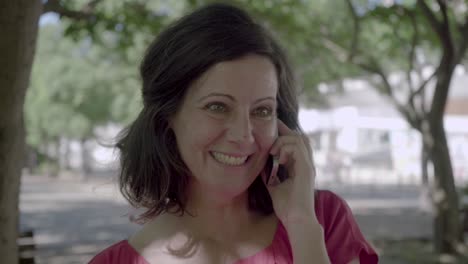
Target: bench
[[27, 247]]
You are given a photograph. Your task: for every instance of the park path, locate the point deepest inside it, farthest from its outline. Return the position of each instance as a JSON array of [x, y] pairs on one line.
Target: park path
[[74, 219]]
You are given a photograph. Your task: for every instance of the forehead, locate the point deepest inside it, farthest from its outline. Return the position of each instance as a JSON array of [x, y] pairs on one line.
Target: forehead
[[249, 76]]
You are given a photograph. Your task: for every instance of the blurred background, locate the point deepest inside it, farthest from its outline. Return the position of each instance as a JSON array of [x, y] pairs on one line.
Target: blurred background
[[384, 100]]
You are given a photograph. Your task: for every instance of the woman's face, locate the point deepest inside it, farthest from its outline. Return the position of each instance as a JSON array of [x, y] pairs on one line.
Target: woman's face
[[227, 123]]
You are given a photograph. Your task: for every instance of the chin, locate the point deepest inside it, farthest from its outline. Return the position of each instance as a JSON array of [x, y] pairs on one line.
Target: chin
[[229, 191]]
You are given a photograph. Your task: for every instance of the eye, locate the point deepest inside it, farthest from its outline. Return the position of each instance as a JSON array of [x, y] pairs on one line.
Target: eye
[[263, 112], [216, 107]]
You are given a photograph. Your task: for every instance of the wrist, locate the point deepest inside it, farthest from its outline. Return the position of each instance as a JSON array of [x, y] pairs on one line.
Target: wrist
[[308, 220], [312, 228], [307, 243]]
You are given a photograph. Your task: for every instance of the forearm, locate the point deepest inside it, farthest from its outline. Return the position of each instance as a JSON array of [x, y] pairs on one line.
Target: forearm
[[307, 243]]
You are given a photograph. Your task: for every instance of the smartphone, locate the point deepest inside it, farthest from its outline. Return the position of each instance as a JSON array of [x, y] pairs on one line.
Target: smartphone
[[281, 171]]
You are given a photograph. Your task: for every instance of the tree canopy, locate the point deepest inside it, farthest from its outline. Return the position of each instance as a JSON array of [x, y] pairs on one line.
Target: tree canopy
[[90, 78]]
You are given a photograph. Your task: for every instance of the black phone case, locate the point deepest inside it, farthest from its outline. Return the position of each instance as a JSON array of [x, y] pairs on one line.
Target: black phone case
[[282, 171]]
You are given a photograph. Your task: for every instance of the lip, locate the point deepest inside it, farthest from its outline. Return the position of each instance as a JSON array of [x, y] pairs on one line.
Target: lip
[[236, 155]]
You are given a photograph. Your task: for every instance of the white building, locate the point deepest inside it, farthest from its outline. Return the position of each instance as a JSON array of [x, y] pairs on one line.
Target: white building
[[363, 139]]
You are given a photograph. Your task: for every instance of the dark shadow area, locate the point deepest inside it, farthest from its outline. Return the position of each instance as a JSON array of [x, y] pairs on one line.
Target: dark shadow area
[[71, 220], [77, 229]]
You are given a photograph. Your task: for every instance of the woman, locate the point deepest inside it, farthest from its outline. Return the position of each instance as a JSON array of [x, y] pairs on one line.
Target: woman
[[220, 114]]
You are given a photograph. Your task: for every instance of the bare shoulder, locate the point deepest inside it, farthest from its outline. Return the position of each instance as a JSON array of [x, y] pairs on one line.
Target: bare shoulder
[[158, 242], [150, 236], [161, 240]]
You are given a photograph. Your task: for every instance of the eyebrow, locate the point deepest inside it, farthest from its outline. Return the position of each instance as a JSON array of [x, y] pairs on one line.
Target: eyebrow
[[230, 97]]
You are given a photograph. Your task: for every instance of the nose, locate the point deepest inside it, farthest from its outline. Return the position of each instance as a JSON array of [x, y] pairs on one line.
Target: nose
[[240, 129]]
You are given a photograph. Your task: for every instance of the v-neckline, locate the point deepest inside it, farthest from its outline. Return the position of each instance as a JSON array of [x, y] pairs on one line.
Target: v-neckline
[[268, 248]]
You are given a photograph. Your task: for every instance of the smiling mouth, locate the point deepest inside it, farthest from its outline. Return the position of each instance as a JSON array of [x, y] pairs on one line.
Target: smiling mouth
[[229, 160]]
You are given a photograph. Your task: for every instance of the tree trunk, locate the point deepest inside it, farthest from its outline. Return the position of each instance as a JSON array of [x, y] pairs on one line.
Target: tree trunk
[[85, 159], [55, 154], [447, 225], [447, 228], [425, 196], [424, 165], [19, 25], [31, 156], [66, 154]]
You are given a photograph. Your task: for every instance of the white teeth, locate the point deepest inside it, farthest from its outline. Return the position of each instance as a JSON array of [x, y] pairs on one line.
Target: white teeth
[[229, 160]]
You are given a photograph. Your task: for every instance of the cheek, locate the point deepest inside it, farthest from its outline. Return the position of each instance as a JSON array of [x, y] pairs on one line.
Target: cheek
[[205, 134], [266, 134]]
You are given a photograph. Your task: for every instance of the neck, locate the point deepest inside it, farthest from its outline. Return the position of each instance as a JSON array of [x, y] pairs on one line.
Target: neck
[[217, 216]]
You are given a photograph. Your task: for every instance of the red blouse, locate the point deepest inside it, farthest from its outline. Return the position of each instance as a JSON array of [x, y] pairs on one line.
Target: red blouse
[[343, 239]]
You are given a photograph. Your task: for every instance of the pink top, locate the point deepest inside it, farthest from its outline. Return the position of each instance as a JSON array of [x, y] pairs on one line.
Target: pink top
[[343, 239]]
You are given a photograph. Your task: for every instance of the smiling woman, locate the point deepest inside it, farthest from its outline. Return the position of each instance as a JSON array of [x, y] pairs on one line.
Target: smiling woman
[[226, 125], [204, 156]]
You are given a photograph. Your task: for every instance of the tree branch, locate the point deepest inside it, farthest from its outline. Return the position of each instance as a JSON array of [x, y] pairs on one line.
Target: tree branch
[[410, 113], [386, 83], [443, 8], [414, 40], [421, 92], [412, 52], [441, 28], [86, 12], [431, 17], [356, 30], [439, 98], [340, 52], [372, 66], [386, 87], [463, 46], [422, 104]]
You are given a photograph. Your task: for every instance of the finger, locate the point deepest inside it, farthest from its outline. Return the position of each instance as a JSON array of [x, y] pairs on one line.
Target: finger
[[299, 139], [283, 129], [274, 180], [287, 154], [283, 140]]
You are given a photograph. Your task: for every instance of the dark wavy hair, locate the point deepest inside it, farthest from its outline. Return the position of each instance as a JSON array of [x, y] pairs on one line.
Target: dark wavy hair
[[153, 175]]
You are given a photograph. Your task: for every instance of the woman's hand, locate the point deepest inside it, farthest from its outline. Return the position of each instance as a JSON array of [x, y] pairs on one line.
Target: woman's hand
[[293, 199]]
